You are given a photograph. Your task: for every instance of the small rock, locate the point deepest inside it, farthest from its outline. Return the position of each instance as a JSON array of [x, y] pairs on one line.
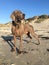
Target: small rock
[[48, 50], [12, 64]]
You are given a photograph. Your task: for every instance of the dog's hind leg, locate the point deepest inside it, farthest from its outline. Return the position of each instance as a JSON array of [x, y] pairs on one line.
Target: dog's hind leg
[[36, 36]]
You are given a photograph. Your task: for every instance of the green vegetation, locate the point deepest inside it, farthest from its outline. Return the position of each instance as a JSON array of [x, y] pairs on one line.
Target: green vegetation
[[32, 18], [41, 18]]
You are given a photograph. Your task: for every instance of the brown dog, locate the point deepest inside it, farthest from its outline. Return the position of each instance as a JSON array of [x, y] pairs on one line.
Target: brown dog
[[18, 29]]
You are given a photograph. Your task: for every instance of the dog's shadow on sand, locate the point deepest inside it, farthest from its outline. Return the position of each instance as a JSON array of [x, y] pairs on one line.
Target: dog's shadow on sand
[[9, 39]]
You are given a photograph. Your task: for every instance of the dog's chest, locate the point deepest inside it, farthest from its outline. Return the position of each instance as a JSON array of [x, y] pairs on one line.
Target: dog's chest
[[19, 32]]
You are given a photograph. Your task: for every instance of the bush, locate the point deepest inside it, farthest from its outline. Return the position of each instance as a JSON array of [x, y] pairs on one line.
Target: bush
[[39, 20], [43, 16]]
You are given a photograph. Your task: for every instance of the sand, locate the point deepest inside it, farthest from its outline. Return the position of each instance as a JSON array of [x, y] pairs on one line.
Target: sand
[[33, 54]]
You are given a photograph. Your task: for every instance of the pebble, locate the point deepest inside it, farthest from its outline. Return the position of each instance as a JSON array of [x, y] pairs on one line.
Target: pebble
[[12, 64]]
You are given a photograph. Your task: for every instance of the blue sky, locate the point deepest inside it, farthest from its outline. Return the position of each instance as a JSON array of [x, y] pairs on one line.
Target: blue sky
[[29, 7]]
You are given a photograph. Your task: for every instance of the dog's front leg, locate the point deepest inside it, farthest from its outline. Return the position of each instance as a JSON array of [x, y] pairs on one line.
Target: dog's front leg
[[14, 43], [20, 48]]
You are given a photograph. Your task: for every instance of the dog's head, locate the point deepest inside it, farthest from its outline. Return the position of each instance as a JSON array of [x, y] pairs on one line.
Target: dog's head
[[17, 16]]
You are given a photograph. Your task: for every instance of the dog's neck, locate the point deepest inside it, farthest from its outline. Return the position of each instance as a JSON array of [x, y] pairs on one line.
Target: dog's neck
[[23, 21]]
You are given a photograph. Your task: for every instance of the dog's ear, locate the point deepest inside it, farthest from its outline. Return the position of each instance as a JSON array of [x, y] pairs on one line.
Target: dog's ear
[[12, 16], [23, 16]]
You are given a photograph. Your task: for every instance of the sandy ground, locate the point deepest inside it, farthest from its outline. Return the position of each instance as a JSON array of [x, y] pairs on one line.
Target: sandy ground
[[33, 54]]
